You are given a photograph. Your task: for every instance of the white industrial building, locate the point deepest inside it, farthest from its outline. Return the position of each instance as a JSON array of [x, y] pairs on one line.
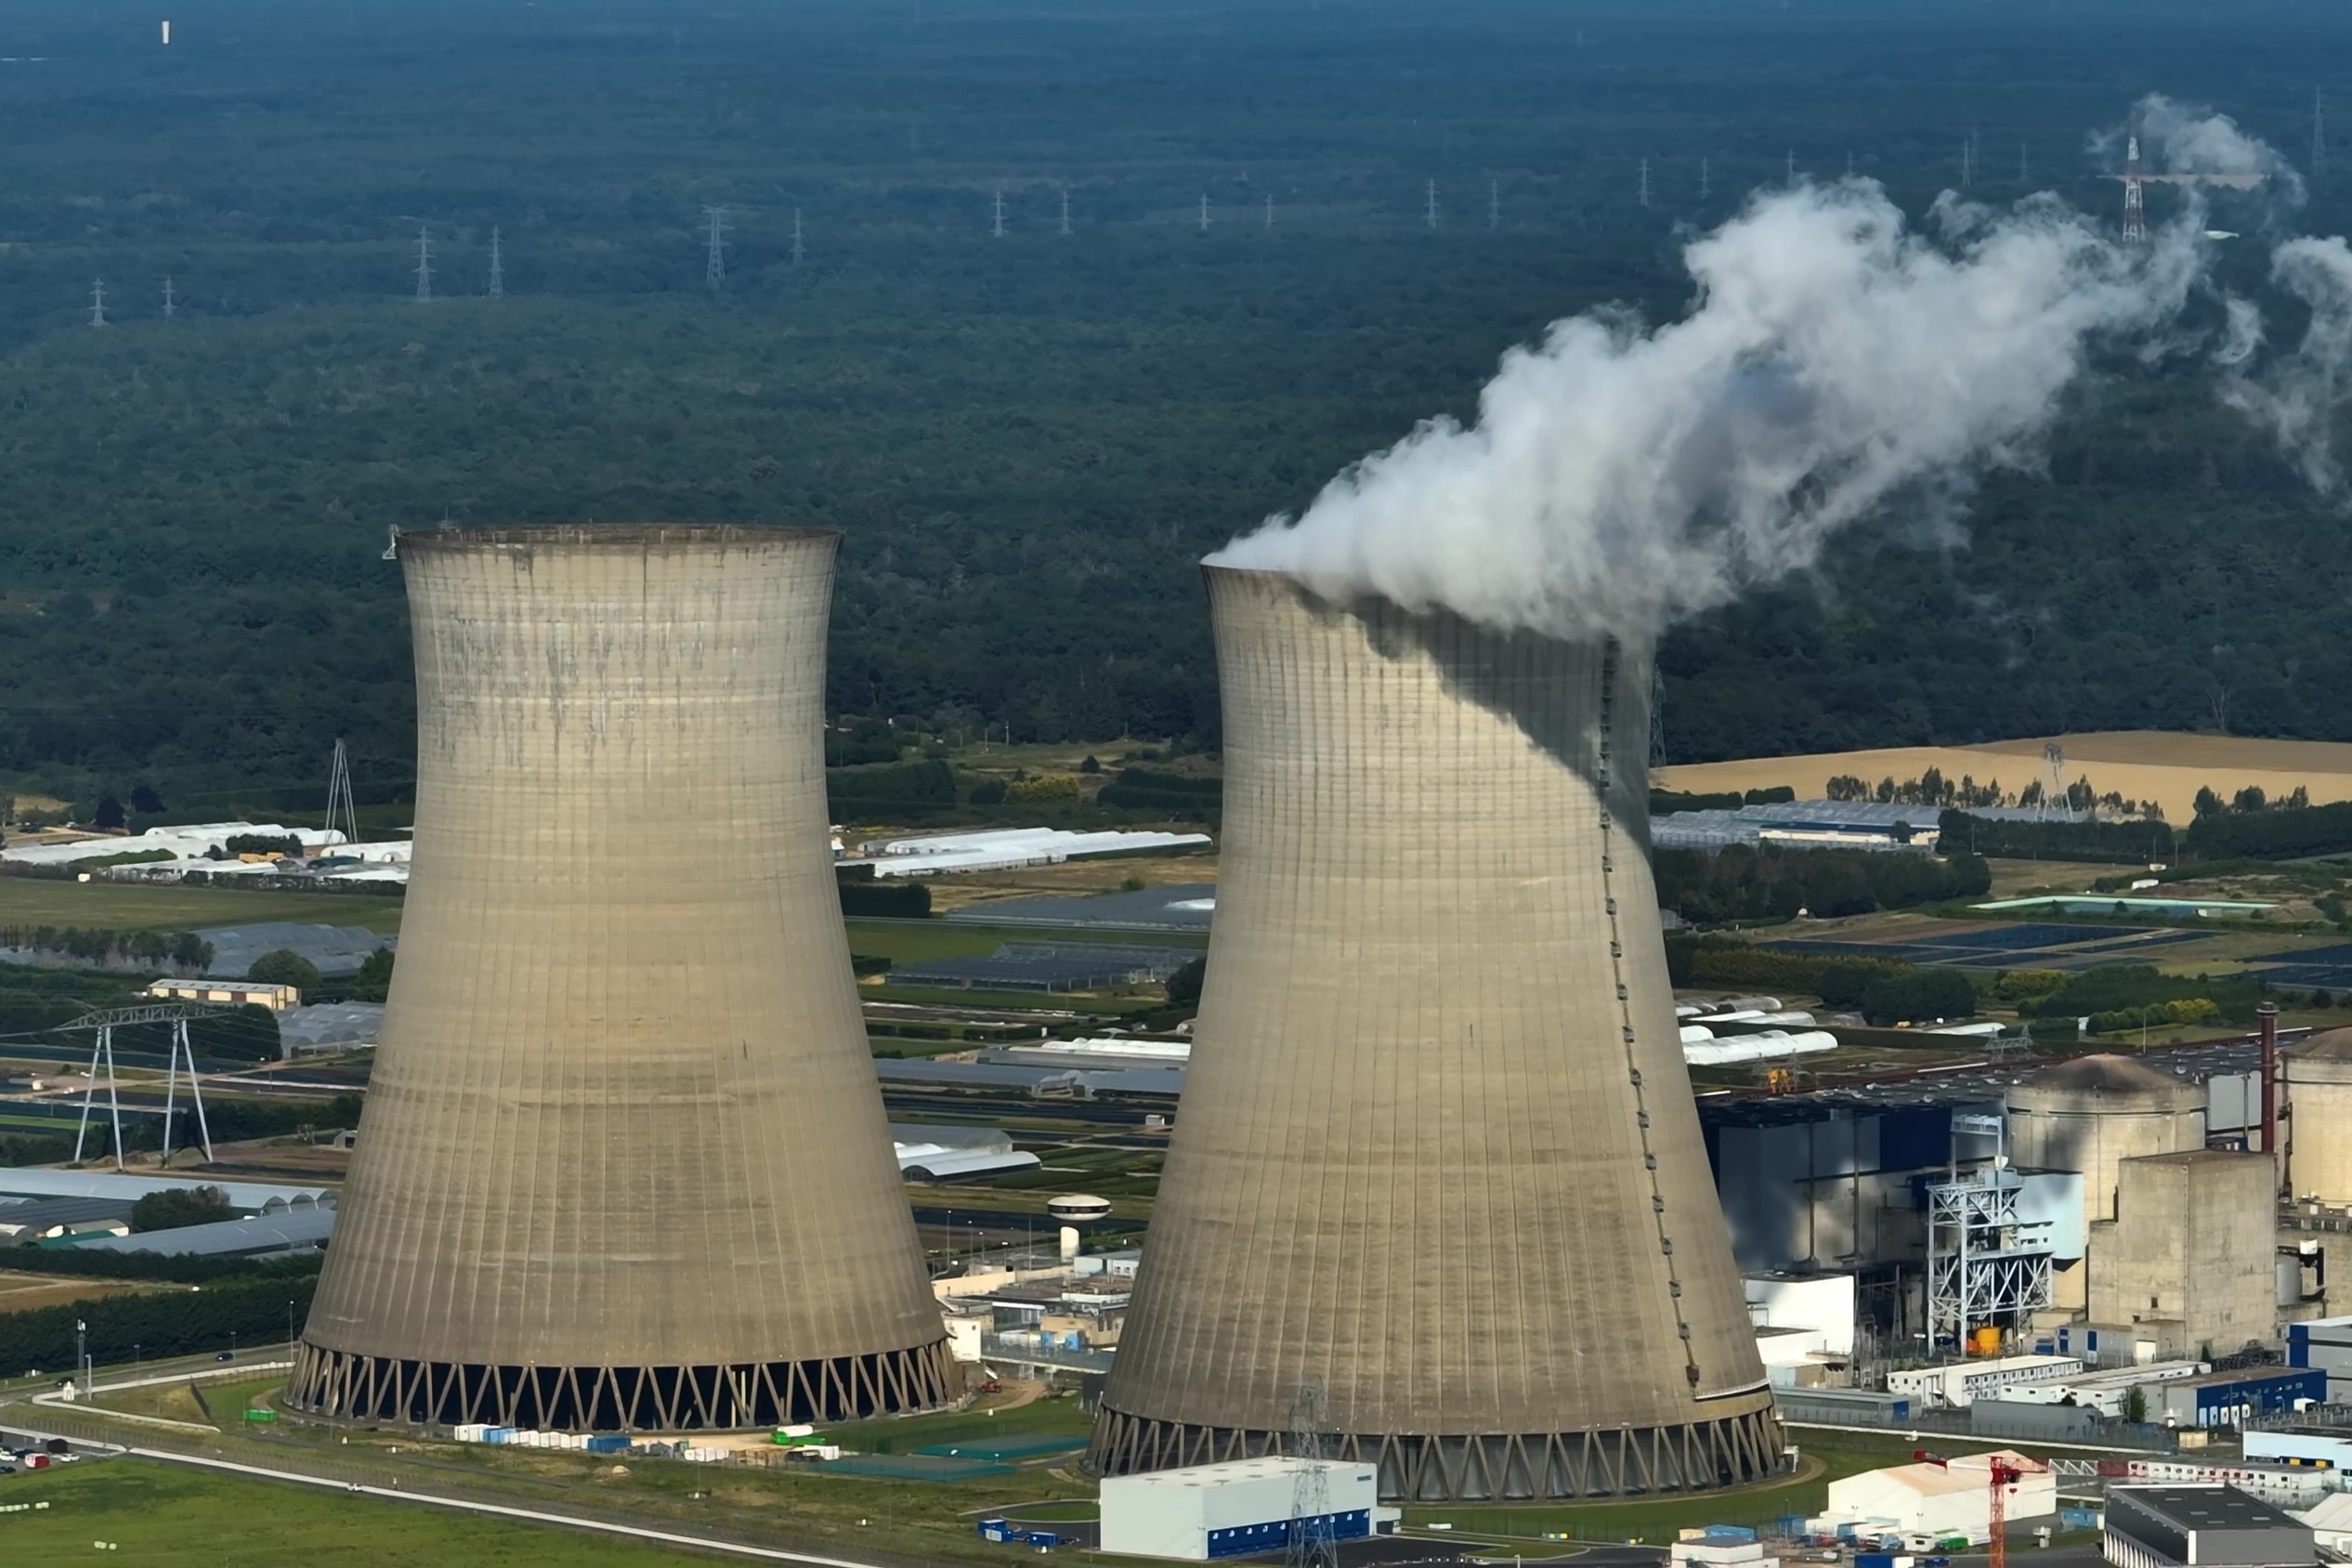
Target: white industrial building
[[1241, 1508], [1961, 1383], [1939, 1502], [939, 1153], [1003, 849], [1804, 1325], [2106, 1392]]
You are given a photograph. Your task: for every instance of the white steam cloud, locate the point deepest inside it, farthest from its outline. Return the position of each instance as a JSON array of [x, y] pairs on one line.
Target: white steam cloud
[[2176, 138], [2300, 397], [1620, 477]]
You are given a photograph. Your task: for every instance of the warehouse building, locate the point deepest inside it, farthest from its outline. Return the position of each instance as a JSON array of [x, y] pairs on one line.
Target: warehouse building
[[2201, 1527], [1242, 1508], [2325, 1345], [2231, 1399], [235, 993], [2191, 1260], [1937, 1501]]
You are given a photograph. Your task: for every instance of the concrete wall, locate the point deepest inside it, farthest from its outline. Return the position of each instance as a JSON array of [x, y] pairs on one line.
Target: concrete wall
[[1438, 1152], [2191, 1255], [2050, 1132]]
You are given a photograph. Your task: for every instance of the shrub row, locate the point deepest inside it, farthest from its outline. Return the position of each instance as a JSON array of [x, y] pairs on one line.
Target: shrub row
[[2121, 843]]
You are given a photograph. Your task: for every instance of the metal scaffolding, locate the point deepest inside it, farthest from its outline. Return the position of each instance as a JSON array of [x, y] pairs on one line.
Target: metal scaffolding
[[1987, 1267]]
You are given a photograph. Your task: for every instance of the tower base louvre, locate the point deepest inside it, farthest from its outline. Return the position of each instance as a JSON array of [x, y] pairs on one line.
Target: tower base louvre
[[1485, 1467], [338, 1384]]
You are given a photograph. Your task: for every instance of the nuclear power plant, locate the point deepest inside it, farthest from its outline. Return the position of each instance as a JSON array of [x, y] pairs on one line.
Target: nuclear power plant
[[1438, 1169], [623, 1162]]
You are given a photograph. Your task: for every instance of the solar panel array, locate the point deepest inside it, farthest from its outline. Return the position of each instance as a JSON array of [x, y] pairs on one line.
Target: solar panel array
[[1046, 966]]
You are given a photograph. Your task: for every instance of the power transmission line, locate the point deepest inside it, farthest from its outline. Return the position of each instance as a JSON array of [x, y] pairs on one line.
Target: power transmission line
[[97, 302], [422, 271], [997, 232], [715, 256], [171, 300], [498, 268]]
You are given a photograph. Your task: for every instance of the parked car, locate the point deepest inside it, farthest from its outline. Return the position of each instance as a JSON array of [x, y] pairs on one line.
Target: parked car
[[226, 1355]]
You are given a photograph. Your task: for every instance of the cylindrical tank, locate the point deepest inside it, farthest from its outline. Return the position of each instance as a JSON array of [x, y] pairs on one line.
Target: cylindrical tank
[[2317, 1089], [623, 1162], [2090, 1113], [1439, 1180]]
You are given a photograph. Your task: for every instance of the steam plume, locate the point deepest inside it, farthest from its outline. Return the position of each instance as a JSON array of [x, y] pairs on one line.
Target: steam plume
[[1619, 478], [2300, 397]]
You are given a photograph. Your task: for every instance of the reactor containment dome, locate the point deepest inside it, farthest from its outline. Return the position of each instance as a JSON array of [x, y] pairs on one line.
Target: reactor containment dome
[[623, 1162], [1438, 1173]]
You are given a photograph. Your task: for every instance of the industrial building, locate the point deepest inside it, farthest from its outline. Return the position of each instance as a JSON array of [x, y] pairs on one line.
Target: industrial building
[[2189, 1263], [956, 1152], [1438, 1161], [1937, 1501], [232, 993], [259, 1236], [1001, 849], [1958, 1384], [1240, 1508], [624, 1000], [2201, 1527], [2087, 1115], [2324, 1344], [2235, 1399], [2317, 1084], [2324, 1447]]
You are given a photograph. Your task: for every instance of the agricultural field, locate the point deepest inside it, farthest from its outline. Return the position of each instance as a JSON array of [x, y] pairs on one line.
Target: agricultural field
[[23, 1292], [129, 907], [2141, 764], [1117, 874]]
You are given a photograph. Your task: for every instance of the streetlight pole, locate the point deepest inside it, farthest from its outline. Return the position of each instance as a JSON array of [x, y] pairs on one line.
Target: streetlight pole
[[290, 1339], [81, 1353]]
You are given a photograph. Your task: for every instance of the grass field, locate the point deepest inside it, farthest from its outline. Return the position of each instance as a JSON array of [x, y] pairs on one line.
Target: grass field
[[126, 906], [912, 941], [2143, 764], [166, 1515]]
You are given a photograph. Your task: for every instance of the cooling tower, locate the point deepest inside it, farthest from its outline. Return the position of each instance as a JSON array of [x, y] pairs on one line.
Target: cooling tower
[[1437, 1169], [623, 1162]]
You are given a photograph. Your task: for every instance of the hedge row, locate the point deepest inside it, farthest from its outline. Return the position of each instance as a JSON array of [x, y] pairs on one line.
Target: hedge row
[[256, 1309]]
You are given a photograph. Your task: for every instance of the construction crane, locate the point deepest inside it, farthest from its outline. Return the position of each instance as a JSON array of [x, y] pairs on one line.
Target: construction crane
[[2003, 1472]]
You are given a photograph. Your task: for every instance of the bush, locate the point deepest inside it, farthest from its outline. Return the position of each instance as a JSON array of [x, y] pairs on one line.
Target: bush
[[1183, 987], [926, 784], [1056, 790], [896, 899], [254, 1308], [1743, 883], [2020, 985], [2127, 988], [2189, 1009], [1179, 794], [285, 967], [1918, 994], [2123, 843], [373, 983], [989, 791], [2273, 835], [177, 1208]]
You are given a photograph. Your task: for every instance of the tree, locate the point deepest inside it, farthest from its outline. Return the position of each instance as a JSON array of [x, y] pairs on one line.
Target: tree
[[109, 813], [2135, 1404], [1183, 987], [2249, 800], [285, 967], [2207, 803], [989, 791], [175, 1208], [1090, 765], [373, 982], [145, 801]]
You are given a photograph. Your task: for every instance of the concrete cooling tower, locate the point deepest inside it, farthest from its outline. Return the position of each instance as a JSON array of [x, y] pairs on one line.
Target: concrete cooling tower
[[1437, 1172], [623, 1162]]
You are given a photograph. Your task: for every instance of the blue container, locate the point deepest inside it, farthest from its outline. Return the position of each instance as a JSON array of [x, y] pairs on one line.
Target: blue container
[[995, 1529], [1040, 1538], [1728, 1533], [609, 1442], [1874, 1560]]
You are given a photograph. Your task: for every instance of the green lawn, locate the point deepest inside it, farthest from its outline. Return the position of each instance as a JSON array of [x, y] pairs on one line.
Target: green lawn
[[164, 1514], [127, 907]]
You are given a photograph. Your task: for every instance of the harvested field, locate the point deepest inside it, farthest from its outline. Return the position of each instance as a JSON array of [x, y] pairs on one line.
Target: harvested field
[[964, 889], [23, 1292], [2141, 764]]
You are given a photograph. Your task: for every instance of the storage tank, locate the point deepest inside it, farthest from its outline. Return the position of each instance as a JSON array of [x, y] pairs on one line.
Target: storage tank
[[2316, 1087], [1438, 1172], [2088, 1115], [623, 1162]]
